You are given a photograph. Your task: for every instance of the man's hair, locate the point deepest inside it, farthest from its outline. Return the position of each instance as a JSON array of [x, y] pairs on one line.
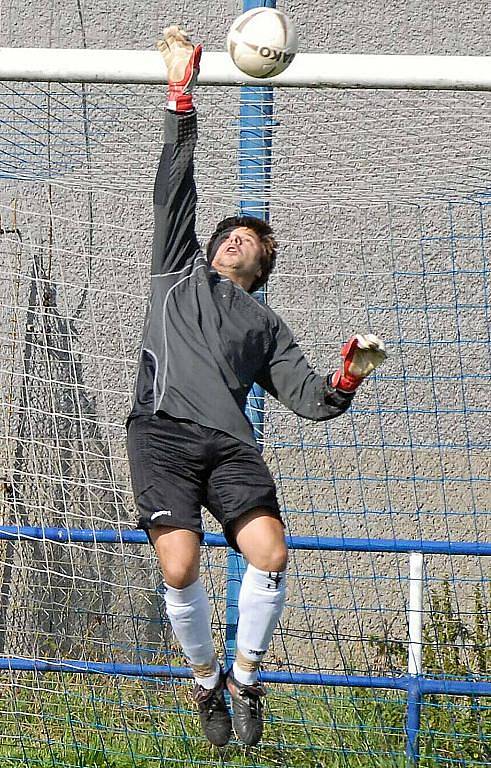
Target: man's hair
[[266, 238]]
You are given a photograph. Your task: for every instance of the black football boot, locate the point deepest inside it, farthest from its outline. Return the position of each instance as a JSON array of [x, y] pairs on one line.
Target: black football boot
[[247, 709], [213, 712]]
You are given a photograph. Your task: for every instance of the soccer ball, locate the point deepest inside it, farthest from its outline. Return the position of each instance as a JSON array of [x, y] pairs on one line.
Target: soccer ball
[[262, 42]]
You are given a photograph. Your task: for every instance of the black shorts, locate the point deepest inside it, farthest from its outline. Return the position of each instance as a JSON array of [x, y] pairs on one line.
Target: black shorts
[[178, 466]]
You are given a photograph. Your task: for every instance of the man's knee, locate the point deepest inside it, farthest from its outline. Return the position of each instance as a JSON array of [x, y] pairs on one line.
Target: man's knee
[[261, 539], [180, 578], [278, 558], [179, 555]]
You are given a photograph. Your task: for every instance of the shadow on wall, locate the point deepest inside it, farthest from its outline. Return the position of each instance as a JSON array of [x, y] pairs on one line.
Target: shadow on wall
[[68, 600]]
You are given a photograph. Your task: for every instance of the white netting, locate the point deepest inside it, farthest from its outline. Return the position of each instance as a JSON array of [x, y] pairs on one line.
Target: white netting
[[380, 202]]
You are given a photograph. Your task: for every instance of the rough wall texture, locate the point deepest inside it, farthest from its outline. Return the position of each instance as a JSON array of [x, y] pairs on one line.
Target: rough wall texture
[[380, 204]]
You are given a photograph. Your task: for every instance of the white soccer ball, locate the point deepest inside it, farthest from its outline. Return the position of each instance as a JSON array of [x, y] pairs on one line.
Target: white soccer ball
[[262, 42]]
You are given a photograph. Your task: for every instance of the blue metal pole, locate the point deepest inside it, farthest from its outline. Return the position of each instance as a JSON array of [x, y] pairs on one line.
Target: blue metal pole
[[256, 106], [413, 719], [305, 543], [415, 656], [79, 666]]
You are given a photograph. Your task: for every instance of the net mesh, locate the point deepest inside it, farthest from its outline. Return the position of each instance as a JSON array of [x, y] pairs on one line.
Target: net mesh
[[380, 202]]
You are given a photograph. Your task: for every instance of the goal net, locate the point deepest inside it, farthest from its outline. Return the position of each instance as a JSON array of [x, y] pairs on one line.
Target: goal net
[[380, 204]]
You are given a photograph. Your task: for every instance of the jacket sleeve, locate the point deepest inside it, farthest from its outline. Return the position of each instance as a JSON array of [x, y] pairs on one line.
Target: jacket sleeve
[[292, 381], [174, 197]]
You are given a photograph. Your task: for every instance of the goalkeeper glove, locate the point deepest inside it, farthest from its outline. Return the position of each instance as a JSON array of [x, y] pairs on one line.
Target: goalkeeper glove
[[361, 355], [182, 60]]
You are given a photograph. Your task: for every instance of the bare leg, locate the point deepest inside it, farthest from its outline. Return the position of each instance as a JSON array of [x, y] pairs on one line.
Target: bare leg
[[178, 551], [261, 539]]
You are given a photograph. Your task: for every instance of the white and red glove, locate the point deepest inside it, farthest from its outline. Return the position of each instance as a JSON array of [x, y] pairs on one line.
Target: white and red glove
[[361, 355], [182, 61]]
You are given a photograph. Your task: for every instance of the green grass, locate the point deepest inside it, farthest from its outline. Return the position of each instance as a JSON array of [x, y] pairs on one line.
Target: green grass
[[63, 721]]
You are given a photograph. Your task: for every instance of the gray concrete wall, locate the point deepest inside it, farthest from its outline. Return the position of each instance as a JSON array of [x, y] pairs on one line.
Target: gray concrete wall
[[380, 204]]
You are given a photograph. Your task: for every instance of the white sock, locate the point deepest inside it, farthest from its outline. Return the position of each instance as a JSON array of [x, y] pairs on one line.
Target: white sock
[[188, 610], [261, 601]]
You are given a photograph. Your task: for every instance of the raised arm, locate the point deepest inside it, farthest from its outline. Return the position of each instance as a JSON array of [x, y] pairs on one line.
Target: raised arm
[[174, 198]]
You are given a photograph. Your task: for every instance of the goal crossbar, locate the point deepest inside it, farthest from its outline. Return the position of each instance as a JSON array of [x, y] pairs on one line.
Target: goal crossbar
[[469, 73]]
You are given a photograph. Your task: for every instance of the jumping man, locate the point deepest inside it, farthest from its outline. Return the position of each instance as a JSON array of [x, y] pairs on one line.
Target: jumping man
[[205, 341]]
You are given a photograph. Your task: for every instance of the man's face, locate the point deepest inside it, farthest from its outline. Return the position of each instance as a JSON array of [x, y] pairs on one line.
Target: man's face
[[239, 255]]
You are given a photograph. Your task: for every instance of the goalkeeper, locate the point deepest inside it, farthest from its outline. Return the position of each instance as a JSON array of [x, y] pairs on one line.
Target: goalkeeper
[[205, 341]]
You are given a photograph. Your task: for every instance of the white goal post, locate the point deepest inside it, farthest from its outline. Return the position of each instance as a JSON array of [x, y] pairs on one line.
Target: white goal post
[[469, 73]]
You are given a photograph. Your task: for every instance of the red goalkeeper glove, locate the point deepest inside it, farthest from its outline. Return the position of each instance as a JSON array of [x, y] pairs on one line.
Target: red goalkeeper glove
[[361, 355], [182, 60]]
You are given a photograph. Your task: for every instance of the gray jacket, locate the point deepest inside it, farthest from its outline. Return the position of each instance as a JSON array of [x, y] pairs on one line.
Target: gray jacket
[[205, 339]]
